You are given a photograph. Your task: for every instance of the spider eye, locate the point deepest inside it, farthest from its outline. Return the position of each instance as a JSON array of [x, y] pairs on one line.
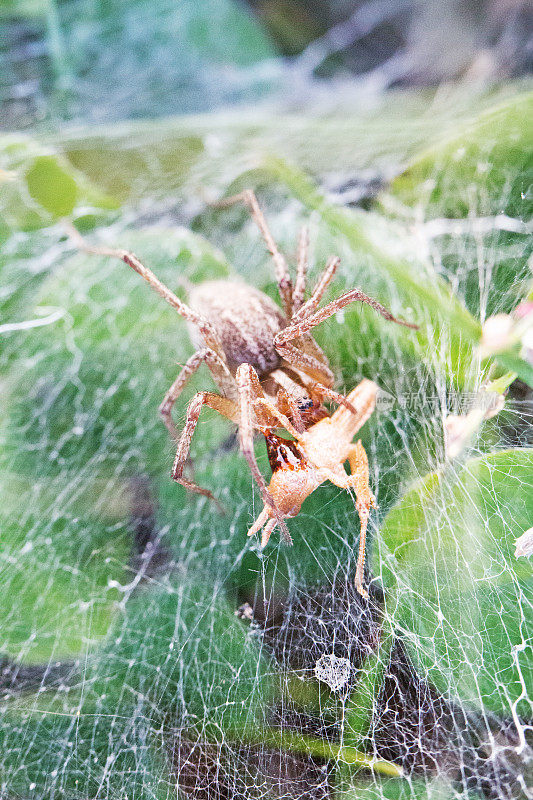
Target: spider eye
[[305, 404]]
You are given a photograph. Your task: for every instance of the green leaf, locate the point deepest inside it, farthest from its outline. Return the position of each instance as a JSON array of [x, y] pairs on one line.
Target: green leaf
[[361, 702], [40, 753], [181, 158], [210, 53], [244, 42], [485, 166], [52, 186], [523, 369], [48, 576], [117, 162], [199, 666], [290, 741], [447, 549], [414, 789], [117, 324], [58, 579], [360, 706], [38, 186], [177, 661]]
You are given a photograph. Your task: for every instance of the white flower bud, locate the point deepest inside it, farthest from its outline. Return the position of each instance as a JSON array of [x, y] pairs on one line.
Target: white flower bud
[[524, 544], [497, 334]]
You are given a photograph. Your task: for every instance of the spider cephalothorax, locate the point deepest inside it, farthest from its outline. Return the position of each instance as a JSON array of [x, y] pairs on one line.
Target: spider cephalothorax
[[262, 357]]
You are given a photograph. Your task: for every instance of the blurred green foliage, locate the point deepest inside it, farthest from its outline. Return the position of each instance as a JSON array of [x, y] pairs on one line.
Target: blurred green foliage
[[485, 168], [448, 548], [195, 659], [212, 53]]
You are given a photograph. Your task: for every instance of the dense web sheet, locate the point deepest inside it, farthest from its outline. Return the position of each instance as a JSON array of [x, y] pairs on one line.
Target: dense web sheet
[[149, 650]]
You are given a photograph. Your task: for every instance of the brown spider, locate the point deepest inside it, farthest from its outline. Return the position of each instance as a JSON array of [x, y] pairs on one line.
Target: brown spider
[[318, 455], [261, 357]]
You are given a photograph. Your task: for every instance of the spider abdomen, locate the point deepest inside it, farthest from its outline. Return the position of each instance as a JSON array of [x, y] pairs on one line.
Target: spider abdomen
[[245, 319]]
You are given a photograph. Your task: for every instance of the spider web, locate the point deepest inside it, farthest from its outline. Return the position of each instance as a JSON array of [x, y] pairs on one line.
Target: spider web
[[149, 650]]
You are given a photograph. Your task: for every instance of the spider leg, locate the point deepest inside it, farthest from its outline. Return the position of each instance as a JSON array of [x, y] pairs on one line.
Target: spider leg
[[319, 391], [221, 374], [313, 368], [224, 406], [277, 414], [303, 326], [310, 364], [288, 406], [301, 270], [300, 310], [318, 292], [280, 264], [318, 370], [249, 392], [207, 331], [294, 395]]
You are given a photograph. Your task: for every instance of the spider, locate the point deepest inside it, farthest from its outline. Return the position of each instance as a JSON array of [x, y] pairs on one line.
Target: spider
[[318, 455], [262, 357]]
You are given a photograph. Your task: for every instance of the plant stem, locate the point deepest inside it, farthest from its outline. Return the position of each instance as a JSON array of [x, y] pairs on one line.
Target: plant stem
[[311, 746], [360, 706]]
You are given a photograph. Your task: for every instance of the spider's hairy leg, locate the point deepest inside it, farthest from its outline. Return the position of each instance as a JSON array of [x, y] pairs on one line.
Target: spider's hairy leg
[[289, 406], [207, 331], [297, 399], [303, 326], [277, 414], [224, 406], [320, 391], [221, 374], [298, 294], [280, 264], [249, 392], [312, 367], [318, 370], [318, 292]]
